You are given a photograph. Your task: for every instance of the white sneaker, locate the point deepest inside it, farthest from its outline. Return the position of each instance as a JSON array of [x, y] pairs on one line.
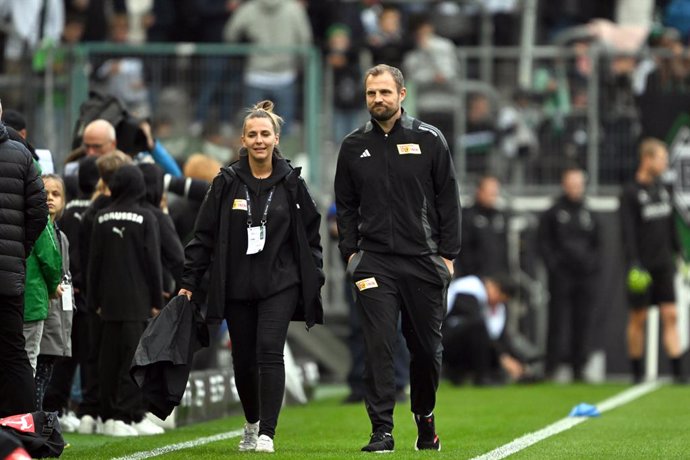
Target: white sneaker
[[251, 434], [118, 428], [108, 427], [69, 422], [87, 425], [264, 444], [146, 427]]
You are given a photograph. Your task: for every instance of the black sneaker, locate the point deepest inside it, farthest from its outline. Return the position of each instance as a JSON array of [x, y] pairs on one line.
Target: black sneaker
[[426, 433], [380, 442]]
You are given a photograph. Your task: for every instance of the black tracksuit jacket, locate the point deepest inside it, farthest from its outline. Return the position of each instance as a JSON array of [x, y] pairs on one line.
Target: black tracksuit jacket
[[124, 275], [569, 238], [396, 193], [484, 242]]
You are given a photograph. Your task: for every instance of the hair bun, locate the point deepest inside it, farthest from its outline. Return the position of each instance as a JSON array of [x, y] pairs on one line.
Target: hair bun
[[264, 105]]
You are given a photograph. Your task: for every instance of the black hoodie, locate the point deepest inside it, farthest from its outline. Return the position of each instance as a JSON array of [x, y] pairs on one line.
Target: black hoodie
[[274, 268], [73, 218], [124, 277], [172, 252]]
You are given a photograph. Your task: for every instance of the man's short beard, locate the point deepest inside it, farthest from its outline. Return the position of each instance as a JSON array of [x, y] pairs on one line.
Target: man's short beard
[[383, 116]]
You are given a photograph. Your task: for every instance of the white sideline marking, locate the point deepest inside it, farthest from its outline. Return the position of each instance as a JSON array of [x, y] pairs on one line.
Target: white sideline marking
[[568, 422], [183, 445]]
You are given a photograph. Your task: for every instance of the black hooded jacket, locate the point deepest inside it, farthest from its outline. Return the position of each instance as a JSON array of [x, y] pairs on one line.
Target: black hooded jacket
[[23, 212], [124, 272], [73, 217], [292, 254], [172, 252]]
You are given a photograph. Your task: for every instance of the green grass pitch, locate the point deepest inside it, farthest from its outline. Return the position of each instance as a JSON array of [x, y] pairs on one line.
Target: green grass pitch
[[470, 422]]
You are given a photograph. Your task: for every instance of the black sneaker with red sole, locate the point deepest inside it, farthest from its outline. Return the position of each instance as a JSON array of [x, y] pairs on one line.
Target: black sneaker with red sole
[[427, 439]]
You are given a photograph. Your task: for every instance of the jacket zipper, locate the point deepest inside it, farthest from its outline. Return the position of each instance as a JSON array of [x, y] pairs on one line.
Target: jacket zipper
[[252, 289], [388, 189]]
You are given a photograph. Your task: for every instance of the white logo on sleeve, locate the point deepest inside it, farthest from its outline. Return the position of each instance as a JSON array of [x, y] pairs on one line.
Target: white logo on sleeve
[[120, 231], [365, 154]]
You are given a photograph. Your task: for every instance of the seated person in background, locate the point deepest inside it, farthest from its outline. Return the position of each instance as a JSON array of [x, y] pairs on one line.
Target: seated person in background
[[476, 339]]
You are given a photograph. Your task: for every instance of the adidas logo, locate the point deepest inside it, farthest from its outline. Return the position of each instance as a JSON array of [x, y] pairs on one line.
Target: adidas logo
[[365, 154]]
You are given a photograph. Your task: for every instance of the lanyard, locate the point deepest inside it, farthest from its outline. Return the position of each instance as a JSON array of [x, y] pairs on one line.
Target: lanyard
[[249, 206]]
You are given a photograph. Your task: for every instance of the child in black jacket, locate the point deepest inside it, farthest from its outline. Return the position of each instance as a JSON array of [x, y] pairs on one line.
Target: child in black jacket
[[124, 287]]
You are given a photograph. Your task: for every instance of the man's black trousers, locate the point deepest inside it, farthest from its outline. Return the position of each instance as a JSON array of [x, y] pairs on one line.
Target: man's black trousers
[[570, 310], [414, 288]]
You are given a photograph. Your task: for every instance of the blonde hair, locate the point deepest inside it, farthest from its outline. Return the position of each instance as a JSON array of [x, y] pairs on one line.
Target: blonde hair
[[110, 162], [264, 109], [649, 146], [61, 182], [202, 167]]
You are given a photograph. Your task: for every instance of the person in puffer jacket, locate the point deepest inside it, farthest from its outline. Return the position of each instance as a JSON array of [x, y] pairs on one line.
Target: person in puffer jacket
[[23, 215]]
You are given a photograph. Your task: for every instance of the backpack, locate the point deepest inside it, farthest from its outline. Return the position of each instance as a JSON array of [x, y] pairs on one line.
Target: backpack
[[130, 138], [39, 432]]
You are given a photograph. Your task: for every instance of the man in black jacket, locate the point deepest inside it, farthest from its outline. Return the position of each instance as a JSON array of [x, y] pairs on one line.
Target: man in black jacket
[[23, 215], [484, 233], [569, 244], [398, 215]]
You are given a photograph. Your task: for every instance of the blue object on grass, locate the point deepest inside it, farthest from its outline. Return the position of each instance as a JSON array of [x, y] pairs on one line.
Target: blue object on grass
[[584, 410]]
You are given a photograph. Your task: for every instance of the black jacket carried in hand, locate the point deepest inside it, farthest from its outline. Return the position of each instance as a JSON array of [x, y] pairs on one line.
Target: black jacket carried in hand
[[163, 359], [124, 275], [397, 193], [292, 254], [23, 212]]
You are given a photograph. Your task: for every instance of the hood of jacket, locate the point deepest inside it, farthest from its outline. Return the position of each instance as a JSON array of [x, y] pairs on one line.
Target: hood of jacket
[[87, 175], [127, 185], [153, 178], [281, 168]]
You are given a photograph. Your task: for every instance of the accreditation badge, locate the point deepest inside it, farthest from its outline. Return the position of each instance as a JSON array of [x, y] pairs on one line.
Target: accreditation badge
[[239, 204], [409, 149], [256, 239], [67, 297], [366, 283]]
